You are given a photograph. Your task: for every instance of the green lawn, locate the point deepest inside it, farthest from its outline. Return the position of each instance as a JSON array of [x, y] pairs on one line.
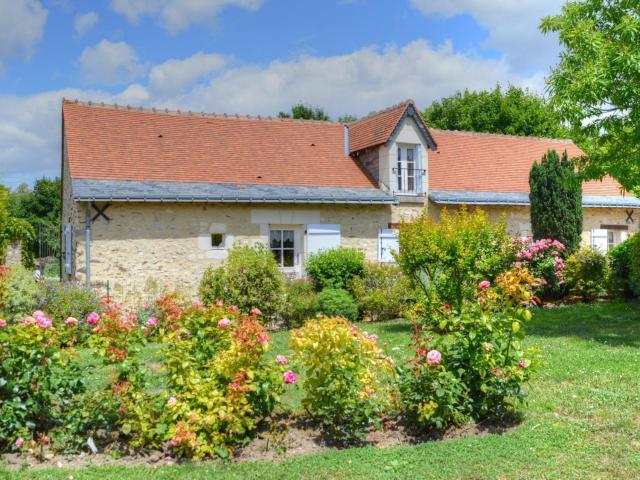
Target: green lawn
[[582, 421]]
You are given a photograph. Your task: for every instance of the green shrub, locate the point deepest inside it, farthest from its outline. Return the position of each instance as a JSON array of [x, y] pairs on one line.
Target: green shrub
[[383, 293], [345, 376], [335, 302], [446, 260], [61, 300], [335, 268], [634, 265], [21, 293], [620, 268], [39, 382], [586, 272], [249, 278], [301, 303], [470, 365]]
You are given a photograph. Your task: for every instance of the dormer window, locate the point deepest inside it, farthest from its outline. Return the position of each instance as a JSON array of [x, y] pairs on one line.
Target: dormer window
[[407, 170]]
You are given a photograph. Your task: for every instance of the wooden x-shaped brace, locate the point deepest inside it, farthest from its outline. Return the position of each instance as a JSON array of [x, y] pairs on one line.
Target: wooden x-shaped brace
[[629, 216], [100, 212]]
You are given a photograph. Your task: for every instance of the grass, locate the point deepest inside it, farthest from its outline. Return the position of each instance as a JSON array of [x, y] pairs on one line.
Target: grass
[[582, 420]]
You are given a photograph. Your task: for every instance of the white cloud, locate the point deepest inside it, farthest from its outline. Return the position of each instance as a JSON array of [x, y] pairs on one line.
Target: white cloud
[[365, 80], [512, 24], [21, 27], [173, 76], [177, 15], [357, 83], [84, 22], [110, 63]]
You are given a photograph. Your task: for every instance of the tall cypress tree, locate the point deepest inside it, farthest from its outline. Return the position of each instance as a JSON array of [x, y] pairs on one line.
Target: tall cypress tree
[[556, 200]]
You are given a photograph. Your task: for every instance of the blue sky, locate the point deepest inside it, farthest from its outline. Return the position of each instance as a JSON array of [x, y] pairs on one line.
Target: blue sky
[[252, 57]]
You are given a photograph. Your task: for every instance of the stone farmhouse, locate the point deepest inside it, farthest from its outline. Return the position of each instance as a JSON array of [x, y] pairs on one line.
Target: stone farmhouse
[[158, 194]]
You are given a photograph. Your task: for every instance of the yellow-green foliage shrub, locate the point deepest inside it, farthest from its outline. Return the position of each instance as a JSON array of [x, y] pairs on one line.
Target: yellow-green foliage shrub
[[382, 293], [345, 376]]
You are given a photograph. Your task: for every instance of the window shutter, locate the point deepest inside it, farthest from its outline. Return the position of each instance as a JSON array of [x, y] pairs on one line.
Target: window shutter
[[68, 248], [387, 245], [322, 237], [418, 167], [599, 239]]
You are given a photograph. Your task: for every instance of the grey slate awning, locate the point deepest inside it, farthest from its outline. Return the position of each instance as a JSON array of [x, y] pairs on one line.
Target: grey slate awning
[[456, 197], [143, 191]]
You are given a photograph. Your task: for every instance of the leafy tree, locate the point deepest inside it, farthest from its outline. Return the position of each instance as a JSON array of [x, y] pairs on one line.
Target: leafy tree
[[12, 229], [556, 200], [596, 85], [306, 112], [41, 208], [515, 112], [347, 118]]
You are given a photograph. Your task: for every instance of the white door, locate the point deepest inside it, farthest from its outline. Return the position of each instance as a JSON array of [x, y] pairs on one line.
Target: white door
[[388, 245], [600, 239], [285, 243]]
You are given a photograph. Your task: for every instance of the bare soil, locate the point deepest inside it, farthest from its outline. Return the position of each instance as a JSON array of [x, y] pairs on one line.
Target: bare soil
[[287, 437]]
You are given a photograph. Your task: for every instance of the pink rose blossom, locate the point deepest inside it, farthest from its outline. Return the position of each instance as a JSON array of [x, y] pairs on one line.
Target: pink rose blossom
[[152, 322], [481, 299], [434, 357], [172, 401], [92, 318], [96, 330], [19, 442], [234, 308], [262, 338], [71, 321], [173, 443], [219, 303], [282, 360], [522, 364], [44, 322], [373, 338], [3, 323], [483, 285], [256, 311], [37, 314], [289, 377], [224, 323], [197, 304]]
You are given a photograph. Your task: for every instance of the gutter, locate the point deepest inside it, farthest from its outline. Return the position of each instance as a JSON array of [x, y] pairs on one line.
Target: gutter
[[322, 200]]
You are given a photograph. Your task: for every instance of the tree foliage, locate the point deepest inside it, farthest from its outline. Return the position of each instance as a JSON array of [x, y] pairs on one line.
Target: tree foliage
[[556, 200], [596, 85], [305, 112], [515, 111], [13, 229]]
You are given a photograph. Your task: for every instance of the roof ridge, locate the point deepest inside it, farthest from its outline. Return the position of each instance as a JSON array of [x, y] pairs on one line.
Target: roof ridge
[[189, 113], [501, 135], [405, 103]]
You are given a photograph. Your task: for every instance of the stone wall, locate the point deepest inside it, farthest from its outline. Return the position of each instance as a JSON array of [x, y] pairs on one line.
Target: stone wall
[[168, 244]]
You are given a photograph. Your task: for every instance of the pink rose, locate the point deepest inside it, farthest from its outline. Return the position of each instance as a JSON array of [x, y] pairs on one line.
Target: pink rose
[[219, 303], [282, 360], [262, 338], [522, 364], [3, 323], [92, 318], [289, 377], [481, 299], [256, 311], [71, 321], [44, 322], [224, 323], [373, 338], [483, 285], [234, 308], [173, 443], [29, 321], [152, 322], [46, 439], [19, 442], [197, 304], [37, 314], [434, 357], [172, 401]]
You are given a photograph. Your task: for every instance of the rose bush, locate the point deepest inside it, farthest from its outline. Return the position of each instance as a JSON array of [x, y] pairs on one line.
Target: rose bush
[[544, 258]]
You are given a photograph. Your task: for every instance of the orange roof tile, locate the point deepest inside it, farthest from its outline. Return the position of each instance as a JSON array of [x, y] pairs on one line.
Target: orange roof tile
[[481, 162], [118, 143]]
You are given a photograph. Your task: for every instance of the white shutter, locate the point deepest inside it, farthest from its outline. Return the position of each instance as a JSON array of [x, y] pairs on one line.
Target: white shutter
[[599, 239], [68, 248], [388, 245], [322, 237]]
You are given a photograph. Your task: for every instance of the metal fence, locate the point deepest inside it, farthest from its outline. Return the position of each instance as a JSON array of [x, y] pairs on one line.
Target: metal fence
[[47, 250]]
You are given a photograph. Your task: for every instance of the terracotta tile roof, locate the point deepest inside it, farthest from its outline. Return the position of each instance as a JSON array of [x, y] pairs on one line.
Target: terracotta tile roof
[[376, 128], [118, 143], [481, 162]]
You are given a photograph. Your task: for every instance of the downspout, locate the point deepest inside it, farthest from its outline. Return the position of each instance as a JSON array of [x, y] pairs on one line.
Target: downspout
[[347, 149], [87, 240]]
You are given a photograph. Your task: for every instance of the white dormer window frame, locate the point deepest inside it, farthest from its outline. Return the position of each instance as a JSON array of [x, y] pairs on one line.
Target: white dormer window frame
[[408, 174]]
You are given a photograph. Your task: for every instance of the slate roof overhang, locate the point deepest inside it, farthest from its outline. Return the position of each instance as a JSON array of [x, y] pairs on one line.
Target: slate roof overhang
[[85, 190], [458, 197]]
